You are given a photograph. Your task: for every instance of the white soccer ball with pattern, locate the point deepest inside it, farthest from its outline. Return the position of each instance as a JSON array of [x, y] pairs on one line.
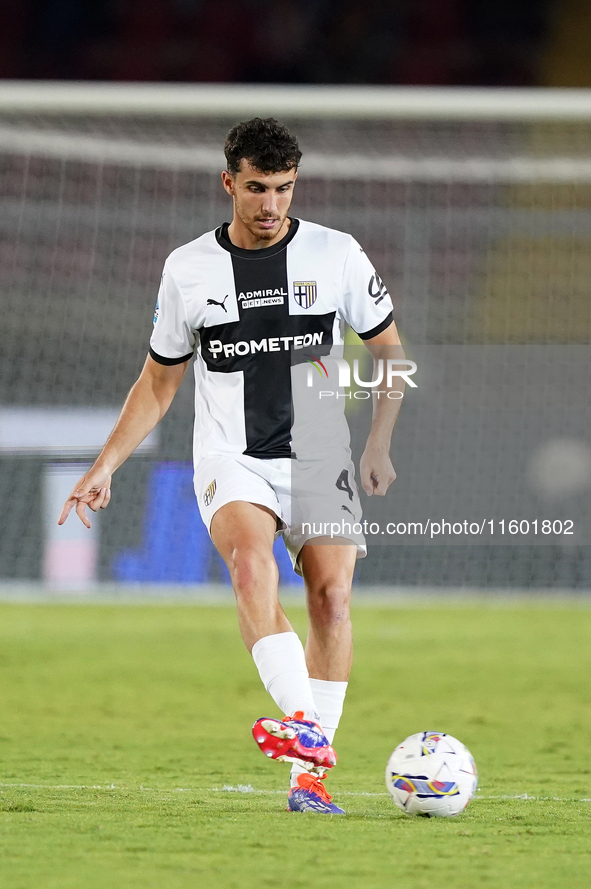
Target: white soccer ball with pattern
[[431, 774]]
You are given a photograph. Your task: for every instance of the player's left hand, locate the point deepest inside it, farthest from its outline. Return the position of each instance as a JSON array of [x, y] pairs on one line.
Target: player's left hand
[[376, 471]]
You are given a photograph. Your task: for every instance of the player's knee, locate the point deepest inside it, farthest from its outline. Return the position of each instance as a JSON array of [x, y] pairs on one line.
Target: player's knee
[[252, 567], [329, 602]]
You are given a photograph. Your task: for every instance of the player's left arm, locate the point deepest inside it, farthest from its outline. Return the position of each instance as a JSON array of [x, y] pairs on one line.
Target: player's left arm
[[375, 466]]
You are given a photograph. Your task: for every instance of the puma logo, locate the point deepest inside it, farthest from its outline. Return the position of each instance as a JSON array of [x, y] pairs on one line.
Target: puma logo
[[214, 302]]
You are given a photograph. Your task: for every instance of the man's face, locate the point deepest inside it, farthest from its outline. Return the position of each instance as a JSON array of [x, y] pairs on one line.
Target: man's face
[[261, 200]]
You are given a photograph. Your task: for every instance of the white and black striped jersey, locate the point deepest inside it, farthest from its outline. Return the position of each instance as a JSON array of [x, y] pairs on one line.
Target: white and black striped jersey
[[252, 316]]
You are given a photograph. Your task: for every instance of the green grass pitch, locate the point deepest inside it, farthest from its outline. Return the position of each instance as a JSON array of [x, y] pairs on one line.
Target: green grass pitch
[[127, 760]]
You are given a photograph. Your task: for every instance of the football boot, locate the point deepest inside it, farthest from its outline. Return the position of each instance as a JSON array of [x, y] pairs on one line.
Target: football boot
[[295, 739], [311, 795]]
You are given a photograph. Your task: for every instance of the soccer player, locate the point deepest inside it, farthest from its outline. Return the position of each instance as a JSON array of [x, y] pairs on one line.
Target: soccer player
[[252, 302]]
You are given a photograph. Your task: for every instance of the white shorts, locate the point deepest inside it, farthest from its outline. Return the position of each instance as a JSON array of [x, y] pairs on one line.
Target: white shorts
[[314, 498]]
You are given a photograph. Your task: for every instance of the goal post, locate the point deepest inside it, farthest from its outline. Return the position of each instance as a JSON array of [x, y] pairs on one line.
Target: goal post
[[474, 205], [321, 102]]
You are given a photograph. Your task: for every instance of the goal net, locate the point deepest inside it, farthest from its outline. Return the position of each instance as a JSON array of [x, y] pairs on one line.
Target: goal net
[[474, 206]]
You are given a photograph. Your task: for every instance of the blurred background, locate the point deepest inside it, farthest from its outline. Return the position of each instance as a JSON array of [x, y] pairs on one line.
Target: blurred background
[[425, 42], [474, 205]]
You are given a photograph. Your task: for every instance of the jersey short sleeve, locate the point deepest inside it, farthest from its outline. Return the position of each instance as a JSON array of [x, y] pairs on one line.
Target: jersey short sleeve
[[172, 340], [367, 306]]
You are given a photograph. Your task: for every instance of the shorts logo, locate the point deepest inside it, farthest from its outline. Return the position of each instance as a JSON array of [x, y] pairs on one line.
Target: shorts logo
[[210, 492], [305, 293], [342, 483]]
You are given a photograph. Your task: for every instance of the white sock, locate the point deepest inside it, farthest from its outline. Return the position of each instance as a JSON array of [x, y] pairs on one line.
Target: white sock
[[281, 663], [329, 698]]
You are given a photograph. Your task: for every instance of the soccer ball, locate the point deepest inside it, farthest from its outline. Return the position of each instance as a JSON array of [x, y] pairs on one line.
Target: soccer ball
[[430, 774]]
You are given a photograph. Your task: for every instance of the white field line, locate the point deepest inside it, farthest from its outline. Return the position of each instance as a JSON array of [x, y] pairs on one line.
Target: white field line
[[248, 788], [65, 146]]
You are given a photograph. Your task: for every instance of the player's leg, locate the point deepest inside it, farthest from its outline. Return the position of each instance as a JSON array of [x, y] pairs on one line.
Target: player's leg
[[327, 568], [243, 534]]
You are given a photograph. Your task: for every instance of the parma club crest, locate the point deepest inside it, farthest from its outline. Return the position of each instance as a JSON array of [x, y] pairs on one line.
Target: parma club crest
[[304, 293], [209, 492]]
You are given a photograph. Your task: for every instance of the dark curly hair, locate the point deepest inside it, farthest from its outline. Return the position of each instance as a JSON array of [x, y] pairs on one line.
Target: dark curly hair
[[266, 144]]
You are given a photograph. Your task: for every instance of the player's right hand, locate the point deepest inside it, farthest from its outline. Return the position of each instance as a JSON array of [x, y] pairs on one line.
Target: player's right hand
[[93, 490]]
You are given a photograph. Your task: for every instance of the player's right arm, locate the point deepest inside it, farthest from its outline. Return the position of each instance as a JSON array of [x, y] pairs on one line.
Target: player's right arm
[[368, 309], [147, 402]]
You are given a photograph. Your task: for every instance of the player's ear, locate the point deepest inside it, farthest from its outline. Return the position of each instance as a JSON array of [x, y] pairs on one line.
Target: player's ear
[[228, 182]]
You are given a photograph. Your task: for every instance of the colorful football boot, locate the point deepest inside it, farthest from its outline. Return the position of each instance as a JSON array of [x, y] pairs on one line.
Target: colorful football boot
[[295, 739], [311, 796]]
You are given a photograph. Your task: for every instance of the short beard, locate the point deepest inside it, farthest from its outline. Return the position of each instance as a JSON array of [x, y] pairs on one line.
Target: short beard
[[261, 234], [264, 234]]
